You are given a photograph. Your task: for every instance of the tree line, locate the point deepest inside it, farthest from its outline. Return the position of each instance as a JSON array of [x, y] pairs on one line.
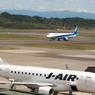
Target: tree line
[[27, 22]]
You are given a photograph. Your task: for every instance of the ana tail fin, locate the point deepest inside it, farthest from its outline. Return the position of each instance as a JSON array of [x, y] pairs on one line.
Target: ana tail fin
[[2, 62], [76, 30]]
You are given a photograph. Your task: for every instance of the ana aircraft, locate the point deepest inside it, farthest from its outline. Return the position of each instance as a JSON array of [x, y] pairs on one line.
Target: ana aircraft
[[46, 80], [64, 36]]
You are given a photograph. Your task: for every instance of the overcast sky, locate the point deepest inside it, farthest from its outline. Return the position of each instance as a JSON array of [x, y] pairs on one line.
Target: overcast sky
[[49, 5]]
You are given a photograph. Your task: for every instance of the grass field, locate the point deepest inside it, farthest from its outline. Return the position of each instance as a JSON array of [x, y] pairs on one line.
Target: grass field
[[5, 48], [87, 35], [20, 36]]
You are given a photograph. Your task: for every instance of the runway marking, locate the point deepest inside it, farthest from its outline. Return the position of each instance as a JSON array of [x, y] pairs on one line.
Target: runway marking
[[22, 51]]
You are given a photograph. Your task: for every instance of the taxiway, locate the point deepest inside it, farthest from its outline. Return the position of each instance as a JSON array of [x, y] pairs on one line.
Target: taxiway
[[45, 57]]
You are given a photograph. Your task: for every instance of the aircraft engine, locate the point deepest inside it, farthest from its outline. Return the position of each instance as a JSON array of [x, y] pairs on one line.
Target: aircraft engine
[[65, 39], [46, 90]]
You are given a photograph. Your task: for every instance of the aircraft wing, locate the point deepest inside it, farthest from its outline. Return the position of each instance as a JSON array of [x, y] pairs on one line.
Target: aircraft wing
[[5, 82], [28, 83], [32, 83]]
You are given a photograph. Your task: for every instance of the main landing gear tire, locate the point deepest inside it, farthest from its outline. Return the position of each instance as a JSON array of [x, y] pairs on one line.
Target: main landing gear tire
[[58, 39], [55, 93]]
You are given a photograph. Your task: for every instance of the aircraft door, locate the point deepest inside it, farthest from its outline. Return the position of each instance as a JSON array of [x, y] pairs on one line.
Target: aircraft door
[[87, 82], [7, 73]]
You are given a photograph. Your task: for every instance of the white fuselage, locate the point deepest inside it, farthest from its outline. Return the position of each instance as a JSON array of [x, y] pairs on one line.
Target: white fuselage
[[64, 36], [62, 79], [59, 35]]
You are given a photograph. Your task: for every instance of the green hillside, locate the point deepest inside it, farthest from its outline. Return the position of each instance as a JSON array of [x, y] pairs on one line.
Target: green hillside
[[27, 22]]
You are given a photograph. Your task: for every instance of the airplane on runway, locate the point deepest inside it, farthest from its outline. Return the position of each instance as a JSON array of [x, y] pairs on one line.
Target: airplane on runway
[[46, 80], [64, 36]]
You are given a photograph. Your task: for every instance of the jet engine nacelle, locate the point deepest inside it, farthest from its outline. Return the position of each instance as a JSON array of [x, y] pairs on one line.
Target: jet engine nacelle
[[46, 90], [65, 39]]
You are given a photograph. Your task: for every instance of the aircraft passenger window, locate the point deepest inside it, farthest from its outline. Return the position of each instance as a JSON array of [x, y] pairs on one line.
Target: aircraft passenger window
[[36, 74], [40, 74], [25, 72], [22, 72], [32, 73], [15, 72], [11, 71], [18, 72], [29, 73]]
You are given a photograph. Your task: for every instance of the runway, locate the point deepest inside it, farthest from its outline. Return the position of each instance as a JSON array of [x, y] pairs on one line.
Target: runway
[[49, 58]]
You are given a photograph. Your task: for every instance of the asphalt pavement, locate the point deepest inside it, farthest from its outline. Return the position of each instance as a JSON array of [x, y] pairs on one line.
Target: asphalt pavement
[[49, 58]]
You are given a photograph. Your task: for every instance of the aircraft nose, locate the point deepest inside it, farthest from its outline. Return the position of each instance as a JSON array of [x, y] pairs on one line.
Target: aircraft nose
[[47, 36]]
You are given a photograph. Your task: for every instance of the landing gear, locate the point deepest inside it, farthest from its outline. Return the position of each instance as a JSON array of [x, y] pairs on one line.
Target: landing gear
[[70, 93], [58, 39], [56, 92], [51, 39], [13, 86]]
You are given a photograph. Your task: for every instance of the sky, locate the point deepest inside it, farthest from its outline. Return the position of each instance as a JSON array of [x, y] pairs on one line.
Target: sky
[[49, 5]]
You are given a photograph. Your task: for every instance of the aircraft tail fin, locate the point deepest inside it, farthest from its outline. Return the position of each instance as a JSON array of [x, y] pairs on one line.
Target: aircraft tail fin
[[76, 30], [2, 62]]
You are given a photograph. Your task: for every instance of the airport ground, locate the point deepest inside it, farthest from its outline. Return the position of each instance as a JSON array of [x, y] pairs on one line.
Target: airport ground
[[46, 57]]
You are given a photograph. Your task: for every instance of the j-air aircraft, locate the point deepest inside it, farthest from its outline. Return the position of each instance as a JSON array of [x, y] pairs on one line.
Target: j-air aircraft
[[64, 36], [46, 80]]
